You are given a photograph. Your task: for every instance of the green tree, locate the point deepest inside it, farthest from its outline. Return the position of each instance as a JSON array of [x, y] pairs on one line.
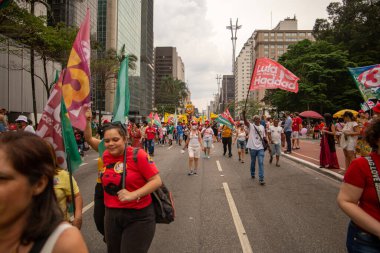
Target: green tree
[[172, 92], [355, 26], [325, 84], [251, 108]]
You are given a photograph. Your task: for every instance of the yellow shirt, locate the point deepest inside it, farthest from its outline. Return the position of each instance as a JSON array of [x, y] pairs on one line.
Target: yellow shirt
[[226, 132], [63, 191]]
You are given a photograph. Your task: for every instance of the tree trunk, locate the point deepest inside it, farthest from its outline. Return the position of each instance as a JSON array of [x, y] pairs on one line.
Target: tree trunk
[[32, 74], [46, 84]]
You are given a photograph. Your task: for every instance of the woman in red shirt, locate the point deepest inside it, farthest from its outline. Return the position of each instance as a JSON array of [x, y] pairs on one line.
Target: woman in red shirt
[[136, 135], [130, 219], [359, 199]]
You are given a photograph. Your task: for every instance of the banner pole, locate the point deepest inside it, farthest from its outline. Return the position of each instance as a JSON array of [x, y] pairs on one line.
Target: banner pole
[[249, 89]]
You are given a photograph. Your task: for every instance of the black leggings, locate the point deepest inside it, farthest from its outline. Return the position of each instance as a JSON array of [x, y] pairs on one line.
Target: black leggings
[[227, 141], [129, 230], [99, 208]]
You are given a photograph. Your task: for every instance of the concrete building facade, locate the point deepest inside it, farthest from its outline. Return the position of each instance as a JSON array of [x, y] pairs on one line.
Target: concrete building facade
[[274, 43], [228, 91]]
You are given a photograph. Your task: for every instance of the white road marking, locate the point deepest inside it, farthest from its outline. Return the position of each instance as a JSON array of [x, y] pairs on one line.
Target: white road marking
[[170, 147], [85, 209], [83, 164], [219, 167], [96, 159], [245, 245]]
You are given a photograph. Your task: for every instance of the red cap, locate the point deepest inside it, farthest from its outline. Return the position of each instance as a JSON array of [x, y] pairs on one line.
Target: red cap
[[360, 111], [194, 123], [376, 108], [106, 121]]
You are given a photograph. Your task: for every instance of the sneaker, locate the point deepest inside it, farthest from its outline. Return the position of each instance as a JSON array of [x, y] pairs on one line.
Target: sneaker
[[287, 152], [242, 161], [208, 157], [190, 173], [253, 177], [230, 155], [271, 159], [262, 182], [195, 173], [239, 159]]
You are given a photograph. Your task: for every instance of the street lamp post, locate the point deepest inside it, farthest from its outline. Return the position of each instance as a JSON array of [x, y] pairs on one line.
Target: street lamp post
[[233, 29]]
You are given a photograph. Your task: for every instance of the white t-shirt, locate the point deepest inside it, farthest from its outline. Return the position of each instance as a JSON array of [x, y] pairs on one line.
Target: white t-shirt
[[29, 129], [207, 133], [275, 133], [349, 128], [254, 140]]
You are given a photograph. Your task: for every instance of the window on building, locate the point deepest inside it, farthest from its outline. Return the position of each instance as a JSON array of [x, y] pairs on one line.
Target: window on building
[[272, 34], [265, 34], [271, 46]]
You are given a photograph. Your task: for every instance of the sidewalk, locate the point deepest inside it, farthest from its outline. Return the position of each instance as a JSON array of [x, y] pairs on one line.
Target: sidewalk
[[308, 155]]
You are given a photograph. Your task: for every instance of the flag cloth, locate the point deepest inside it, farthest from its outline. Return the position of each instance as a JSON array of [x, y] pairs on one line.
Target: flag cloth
[[71, 147], [175, 118], [122, 95], [51, 126], [364, 77], [213, 115], [76, 82], [150, 117], [157, 121], [227, 115], [224, 121], [166, 117], [269, 74]]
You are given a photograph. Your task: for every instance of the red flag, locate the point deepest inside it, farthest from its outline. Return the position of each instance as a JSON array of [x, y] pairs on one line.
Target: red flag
[[76, 82], [371, 77], [269, 74], [227, 115], [49, 127]]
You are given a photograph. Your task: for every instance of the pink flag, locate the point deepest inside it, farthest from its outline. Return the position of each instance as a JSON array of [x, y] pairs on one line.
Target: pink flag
[[269, 74], [49, 127], [76, 82]]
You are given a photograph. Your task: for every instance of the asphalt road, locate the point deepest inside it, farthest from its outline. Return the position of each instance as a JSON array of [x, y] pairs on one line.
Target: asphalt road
[[223, 210]]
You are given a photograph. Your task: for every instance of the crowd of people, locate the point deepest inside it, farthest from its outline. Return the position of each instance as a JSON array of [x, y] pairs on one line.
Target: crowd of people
[[124, 215]]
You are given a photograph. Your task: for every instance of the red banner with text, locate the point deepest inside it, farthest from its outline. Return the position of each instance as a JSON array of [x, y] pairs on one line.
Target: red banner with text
[[269, 74]]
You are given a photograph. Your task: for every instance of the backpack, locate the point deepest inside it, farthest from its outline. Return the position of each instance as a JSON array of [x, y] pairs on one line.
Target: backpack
[[162, 199]]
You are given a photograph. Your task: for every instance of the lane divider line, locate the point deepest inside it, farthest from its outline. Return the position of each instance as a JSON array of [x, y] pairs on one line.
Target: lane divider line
[[218, 165], [96, 159], [170, 147], [83, 164], [244, 241]]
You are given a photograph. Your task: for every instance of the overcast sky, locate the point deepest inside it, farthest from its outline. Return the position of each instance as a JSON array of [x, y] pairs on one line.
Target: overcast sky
[[197, 28]]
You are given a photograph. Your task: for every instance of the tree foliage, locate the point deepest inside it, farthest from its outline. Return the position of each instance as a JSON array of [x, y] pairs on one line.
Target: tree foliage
[[172, 91], [355, 26], [325, 84]]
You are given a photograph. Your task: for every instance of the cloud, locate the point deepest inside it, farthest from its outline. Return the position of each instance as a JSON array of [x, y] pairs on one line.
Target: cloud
[[197, 28]]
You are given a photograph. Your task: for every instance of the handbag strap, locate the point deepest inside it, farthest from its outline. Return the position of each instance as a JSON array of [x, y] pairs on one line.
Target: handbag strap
[[375, 175], [258, 133]]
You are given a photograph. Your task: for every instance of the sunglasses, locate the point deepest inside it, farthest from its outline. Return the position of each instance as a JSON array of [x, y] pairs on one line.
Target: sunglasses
[[114, 124]]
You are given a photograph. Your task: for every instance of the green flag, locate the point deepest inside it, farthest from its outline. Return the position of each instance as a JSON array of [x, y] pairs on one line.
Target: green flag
[[224, 121], [71, 147], [122, 96]]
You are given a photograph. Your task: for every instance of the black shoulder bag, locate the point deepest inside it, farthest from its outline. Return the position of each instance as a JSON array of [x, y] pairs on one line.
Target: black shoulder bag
[[162, 199], [375, 175], [264, 141]]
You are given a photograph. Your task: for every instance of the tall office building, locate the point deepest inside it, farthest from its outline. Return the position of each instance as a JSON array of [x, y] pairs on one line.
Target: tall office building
[[167, 63], [120, 25], [228, 91], [273, 43], [243, 71], [147, 60], [72, 13]]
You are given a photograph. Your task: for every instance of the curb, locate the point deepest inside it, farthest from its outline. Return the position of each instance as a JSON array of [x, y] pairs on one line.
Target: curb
[[314, 167]]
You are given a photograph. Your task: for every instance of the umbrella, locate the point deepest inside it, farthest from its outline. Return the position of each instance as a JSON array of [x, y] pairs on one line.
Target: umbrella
[[311, 114], [341, 112]]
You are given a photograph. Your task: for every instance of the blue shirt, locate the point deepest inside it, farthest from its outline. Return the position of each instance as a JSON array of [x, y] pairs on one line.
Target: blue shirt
[[288, 124], [179, 129]]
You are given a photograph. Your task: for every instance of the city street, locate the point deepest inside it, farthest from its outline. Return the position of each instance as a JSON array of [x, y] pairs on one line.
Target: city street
[[224, 210]]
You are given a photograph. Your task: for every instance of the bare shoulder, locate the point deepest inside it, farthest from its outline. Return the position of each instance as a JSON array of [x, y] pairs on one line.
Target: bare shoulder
[[70, 241]]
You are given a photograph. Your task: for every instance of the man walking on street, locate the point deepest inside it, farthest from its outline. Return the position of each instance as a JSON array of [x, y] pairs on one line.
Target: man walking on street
[[288, 132], [255, 145], [227, 140], [274, 135]]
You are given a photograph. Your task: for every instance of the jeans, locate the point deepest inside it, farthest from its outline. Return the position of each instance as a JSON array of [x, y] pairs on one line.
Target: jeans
[[359, 241], [150, 145], [288, 136], [260, 154], [129, 230], [227, 141]]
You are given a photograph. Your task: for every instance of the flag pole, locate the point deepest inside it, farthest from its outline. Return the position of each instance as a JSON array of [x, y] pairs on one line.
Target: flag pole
[[71, 181], [249, 89]]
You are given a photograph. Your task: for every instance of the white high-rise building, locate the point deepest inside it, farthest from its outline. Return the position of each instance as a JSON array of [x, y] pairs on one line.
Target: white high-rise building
[[243, 72]]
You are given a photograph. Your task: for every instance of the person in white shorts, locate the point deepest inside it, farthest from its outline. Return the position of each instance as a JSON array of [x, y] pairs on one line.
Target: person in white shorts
[[207, 133], [350, 133], [194, 145], [275, 133]]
